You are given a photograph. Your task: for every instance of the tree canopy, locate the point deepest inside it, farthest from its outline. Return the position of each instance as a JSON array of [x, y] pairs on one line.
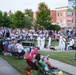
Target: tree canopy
[[18, 20], [55, 27], [5, 20], [29, 13], [43, 16]]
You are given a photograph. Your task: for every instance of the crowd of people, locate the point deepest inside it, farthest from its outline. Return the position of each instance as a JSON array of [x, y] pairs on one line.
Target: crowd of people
[[13, 46], [65, 37]]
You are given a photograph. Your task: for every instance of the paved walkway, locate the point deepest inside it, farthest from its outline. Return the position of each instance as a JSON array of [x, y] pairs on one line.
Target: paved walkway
[[7, 69], [63, 66]]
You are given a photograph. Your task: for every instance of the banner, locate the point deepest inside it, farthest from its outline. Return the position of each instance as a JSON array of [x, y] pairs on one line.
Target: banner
[[69, 18]]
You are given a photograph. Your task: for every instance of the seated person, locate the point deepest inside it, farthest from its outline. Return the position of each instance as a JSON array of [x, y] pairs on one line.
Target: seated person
[[45, 63], [29, 59], [5, 44], [20, 49], [30, 54], [71, 43], [34, 50], [28, 50]]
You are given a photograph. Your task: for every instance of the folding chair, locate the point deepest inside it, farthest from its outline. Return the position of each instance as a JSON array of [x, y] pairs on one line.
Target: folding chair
[[31, 66]]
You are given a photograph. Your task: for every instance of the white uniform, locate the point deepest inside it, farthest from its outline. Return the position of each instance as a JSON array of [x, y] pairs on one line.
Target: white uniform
[[41, 45], [49, 42], [63, 44], [43, 42], [39, 41], [60, 41]]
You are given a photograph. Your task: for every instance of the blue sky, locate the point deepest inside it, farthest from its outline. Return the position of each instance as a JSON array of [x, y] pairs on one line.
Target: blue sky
[[14, 5]]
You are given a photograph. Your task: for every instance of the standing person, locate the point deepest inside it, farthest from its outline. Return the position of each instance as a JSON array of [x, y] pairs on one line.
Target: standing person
[[63, 43], [60, 43], [39, 41], [49, 41], [43, 42], [41, 45]]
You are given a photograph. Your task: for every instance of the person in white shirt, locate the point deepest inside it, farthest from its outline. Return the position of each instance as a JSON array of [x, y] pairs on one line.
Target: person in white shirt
[[43, 43], [49, 41], [20, 49], [63, 43], [39, 41], [60, 39], [71, 43]]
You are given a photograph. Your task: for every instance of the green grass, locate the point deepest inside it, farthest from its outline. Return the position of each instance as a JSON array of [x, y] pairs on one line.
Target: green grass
[[66, 57]]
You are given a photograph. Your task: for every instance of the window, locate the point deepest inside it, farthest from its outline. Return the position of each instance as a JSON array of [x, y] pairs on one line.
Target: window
[[70, 13], [60, 21]]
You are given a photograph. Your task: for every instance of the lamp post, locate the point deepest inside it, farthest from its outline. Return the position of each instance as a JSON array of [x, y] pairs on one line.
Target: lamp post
[[74, 6]]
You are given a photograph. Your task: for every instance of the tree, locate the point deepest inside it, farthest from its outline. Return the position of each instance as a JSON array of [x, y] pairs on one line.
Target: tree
[[1, 19], [43, 16], [55, 27], [18, 20], [29, 13], [5, 20], [28, 22]]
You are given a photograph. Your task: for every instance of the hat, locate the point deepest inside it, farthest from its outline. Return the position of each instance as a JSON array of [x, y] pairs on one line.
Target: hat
[[28, 50]]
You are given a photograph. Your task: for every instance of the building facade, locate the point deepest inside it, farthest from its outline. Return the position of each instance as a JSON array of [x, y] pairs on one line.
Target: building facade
[[53, 16], [65, 17], [62, 16]]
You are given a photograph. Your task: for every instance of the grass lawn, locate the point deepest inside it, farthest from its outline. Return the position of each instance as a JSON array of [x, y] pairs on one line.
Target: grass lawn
[[66, 57]]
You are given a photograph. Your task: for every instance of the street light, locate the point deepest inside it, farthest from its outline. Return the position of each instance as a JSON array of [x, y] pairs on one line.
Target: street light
[[74, 6]]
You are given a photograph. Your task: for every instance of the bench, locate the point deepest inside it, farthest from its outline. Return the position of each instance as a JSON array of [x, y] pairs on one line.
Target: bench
[[28, 44]]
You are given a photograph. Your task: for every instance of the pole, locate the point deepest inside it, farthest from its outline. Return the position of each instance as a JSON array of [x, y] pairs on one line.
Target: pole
[[75, 14], [75, 27]]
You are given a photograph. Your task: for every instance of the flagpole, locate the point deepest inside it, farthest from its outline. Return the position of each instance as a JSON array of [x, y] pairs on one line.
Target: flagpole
[[74, 7]]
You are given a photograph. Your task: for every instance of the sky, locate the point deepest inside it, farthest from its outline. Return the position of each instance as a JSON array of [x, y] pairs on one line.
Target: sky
[[14, 5]]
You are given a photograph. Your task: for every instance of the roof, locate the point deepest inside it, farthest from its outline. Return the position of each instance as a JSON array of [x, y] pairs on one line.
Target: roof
[[62, 7]]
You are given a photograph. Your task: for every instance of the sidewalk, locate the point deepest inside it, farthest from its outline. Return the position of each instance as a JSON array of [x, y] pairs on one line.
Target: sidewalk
[[7, 69], [63, 66], [60, 65]]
